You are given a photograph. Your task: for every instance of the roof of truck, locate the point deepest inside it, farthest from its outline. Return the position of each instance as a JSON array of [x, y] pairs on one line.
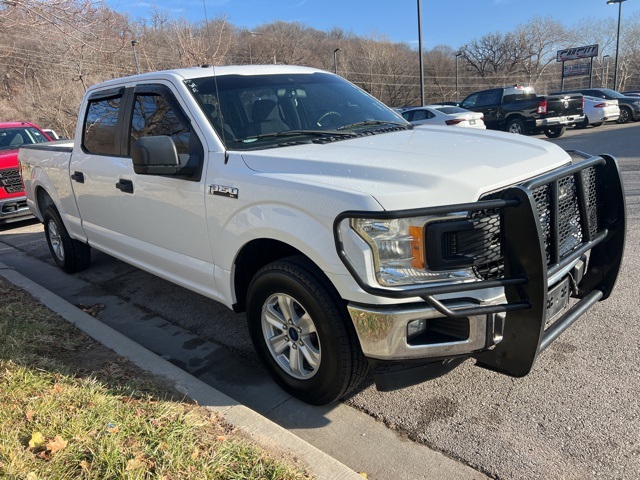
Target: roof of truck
[[210, 70]]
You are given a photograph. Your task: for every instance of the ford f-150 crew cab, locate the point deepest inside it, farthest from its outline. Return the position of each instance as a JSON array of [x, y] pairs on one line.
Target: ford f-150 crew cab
[[352, 240], [520, 110]]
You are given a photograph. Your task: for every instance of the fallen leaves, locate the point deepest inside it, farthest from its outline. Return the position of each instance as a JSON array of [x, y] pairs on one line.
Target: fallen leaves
[[139, 461], [57, 444], [37, 440], [93, 310], [46, 449]]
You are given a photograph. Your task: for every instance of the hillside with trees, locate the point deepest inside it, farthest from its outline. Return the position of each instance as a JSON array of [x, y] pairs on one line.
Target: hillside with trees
[[51, 51]]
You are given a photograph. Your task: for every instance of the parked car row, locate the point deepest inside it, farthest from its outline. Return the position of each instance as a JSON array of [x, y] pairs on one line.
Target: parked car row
[[520, 110]]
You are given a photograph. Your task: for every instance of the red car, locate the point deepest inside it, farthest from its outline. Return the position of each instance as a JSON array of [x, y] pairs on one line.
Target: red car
[[13, 203]]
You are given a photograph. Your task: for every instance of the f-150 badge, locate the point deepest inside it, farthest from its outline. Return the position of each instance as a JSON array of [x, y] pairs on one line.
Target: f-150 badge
[[230, 192]]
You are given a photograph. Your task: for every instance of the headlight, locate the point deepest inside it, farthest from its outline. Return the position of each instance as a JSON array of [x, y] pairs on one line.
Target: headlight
[[398, 247]]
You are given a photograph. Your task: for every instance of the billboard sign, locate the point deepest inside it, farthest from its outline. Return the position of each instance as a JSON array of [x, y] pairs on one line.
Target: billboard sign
[[577, 70], [576, 53]]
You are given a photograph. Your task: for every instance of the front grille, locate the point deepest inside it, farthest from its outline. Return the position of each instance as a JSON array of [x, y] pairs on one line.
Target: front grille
[[561, 217], [564, 211], [485, 245], [11, 181]]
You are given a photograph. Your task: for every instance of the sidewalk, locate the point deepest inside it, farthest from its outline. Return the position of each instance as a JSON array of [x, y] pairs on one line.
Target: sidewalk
[[261, 430]]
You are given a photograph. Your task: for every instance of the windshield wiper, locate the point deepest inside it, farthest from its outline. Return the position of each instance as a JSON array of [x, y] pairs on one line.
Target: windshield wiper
[[367, 123], [288, 133]]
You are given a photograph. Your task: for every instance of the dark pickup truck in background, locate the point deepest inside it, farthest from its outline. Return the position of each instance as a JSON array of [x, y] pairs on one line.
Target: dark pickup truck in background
[[519, 109]]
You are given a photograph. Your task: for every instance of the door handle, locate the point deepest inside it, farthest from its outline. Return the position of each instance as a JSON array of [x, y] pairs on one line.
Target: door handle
[[125, 185], [78, 177]]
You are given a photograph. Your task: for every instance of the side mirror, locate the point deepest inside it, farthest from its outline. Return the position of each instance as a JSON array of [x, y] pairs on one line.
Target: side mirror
[[155, 156]]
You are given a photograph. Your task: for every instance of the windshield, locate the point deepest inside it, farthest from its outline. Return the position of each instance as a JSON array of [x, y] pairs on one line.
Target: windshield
[[260, 111], [14, 137]]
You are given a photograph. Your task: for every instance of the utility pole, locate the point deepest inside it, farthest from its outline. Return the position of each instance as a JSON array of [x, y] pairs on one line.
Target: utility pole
[[420, 53]]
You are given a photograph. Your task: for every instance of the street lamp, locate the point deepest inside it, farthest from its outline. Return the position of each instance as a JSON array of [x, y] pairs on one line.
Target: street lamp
[[605, 77], [615, 67], [251, 35], [335, 59], [458, 55], [135, 55]]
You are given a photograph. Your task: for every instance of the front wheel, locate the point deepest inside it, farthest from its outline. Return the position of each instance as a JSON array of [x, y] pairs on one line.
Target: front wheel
[[302, 332], [69, 254], [555, 132]]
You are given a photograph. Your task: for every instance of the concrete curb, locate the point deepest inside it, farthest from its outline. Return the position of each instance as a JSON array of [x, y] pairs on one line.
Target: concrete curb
[[261, 430]]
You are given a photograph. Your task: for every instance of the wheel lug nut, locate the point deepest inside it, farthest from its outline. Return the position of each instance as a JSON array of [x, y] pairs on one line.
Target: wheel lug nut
[[294, 346], [301, 343], [286, 339], [299, 329]]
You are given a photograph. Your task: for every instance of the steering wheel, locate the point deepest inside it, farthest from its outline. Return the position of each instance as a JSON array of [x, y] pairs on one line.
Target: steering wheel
[[331, 116]]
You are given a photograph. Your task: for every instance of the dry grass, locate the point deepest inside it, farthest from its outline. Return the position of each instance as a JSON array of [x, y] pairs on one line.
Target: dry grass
[[72, 409]]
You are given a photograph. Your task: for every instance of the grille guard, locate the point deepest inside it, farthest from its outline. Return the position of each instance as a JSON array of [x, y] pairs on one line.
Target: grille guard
[[528, 264]]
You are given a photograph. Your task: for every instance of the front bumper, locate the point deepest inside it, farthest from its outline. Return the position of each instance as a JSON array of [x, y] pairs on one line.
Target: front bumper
[[13, 209], [383, 331], [542, 251]]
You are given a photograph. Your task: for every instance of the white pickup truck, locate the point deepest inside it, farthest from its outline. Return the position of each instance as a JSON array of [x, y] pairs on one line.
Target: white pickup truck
[[354, 241]]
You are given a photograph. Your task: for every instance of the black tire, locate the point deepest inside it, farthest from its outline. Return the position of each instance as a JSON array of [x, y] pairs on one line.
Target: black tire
[[555, 132], [584, 123], [599, 124], [625, 115], [517, 126], [69, 254], [302, 332]]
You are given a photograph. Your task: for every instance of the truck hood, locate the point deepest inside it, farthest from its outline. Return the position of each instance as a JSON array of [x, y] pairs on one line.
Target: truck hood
[[8, 158], [426, 166]]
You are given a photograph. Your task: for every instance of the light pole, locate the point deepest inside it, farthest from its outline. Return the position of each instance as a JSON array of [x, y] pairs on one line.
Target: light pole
[[135, 55], [335, 59], [615, 67], [420, 53], [605, 61], [458, 55]]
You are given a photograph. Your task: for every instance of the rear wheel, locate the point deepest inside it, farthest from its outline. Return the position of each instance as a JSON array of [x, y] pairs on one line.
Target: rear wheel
[[69, 254], [555, 132], [302, 332], [625, 115], [517, 126]]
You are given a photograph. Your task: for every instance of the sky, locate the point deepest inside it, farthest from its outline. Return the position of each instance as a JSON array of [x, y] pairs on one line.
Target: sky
[[450, 22]]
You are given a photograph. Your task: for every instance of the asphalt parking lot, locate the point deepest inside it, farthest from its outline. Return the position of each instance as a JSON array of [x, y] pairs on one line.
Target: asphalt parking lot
[[577, 415]]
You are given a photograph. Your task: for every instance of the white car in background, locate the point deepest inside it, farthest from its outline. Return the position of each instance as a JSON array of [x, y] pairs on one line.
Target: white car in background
[[599, 110], [443, 115]]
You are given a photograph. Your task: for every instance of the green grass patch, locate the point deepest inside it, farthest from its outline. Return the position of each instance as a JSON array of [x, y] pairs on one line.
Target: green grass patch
[[72, 409]]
